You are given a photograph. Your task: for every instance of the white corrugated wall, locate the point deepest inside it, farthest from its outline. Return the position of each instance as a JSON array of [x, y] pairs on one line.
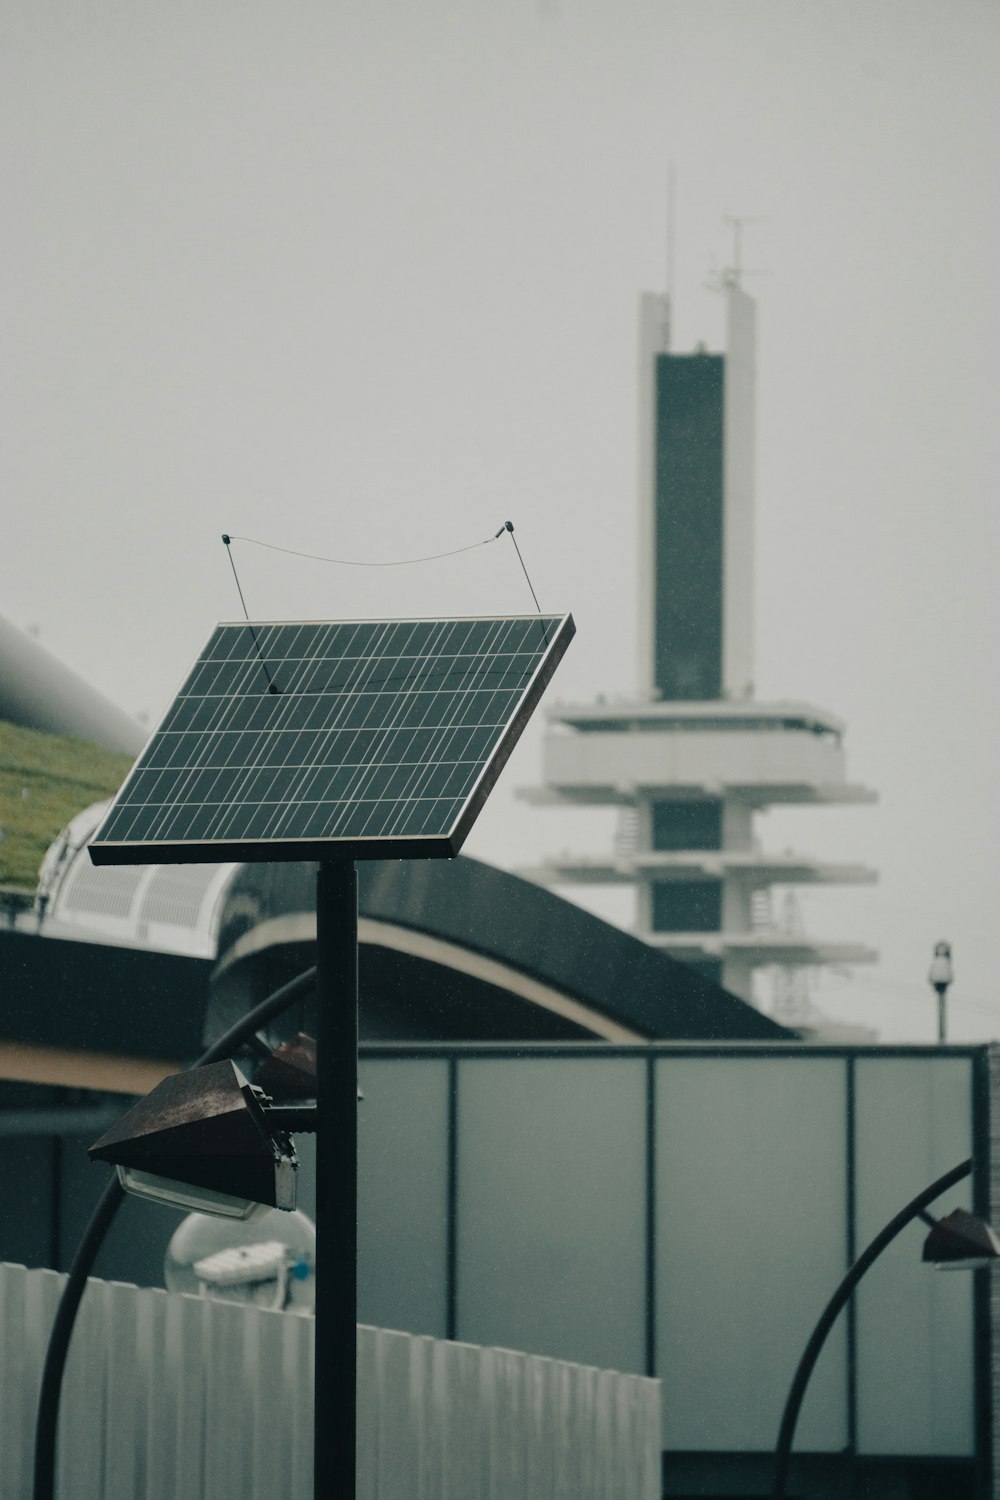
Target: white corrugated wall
[[169, 1396]]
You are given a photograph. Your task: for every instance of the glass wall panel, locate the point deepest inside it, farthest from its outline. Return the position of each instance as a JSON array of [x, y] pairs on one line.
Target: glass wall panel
[[551, 1207], [750, 1243], [915, 1361], [402, 1194]]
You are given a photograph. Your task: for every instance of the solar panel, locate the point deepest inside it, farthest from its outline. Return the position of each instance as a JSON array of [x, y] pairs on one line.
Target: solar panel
[[305, 740]]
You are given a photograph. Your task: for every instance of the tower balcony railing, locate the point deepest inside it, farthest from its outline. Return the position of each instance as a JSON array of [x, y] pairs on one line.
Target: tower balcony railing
[[614, 767], [760, 948], [630, 865]]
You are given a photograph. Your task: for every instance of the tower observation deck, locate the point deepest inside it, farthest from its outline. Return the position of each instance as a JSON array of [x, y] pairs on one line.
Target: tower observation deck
[[696, 756]]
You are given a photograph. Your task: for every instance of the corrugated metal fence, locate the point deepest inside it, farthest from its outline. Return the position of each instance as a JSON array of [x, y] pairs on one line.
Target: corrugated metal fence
[[169, 1396]]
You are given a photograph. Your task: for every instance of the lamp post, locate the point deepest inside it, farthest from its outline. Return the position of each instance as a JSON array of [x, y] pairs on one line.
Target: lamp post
[[50, 1390], [960, 1240], [939, 978], [208, 1140]]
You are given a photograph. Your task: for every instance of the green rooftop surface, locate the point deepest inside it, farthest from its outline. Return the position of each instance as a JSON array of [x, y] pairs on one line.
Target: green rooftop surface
[[45, 780]]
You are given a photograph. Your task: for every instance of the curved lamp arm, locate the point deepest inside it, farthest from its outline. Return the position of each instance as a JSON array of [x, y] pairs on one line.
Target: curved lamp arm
[[800, 1380], [47, 1418]]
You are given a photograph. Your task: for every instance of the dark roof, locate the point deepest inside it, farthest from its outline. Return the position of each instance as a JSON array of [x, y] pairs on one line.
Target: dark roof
[[132, 1002], [100, 997], [523, 931]]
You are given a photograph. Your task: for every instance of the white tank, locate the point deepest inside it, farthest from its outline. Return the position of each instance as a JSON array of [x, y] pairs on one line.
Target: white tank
[[38, 692]]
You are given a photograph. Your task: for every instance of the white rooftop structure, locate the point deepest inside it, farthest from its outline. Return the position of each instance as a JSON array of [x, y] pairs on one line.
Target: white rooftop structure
[[169, 908]]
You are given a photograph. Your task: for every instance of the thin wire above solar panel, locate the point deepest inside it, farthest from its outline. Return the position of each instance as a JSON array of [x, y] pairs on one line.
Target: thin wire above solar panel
[[304, 740]]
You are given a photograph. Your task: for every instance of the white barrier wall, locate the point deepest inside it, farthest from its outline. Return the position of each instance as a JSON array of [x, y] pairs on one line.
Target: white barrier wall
[[169, 1396]]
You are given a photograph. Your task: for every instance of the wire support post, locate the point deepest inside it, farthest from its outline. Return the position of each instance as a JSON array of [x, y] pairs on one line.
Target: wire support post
[[271, 684], [509, 527], [335, 1402]]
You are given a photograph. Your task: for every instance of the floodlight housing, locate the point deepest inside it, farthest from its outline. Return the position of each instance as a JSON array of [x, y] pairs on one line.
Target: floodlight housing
[[201, 1140], [289, 1071], [961, 1242]]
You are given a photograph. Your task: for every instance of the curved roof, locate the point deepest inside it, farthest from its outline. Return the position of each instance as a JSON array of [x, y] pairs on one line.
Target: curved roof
[[450, 950], [487, 953]]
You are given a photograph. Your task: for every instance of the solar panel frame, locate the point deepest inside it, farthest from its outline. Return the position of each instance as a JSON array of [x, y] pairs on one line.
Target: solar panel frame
[[556, 633]]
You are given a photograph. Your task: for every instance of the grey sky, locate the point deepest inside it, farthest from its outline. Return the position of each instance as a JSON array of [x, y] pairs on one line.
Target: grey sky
[[361, 278]]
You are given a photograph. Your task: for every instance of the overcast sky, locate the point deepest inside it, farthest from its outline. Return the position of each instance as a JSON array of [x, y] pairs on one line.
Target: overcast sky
[[361, 279]]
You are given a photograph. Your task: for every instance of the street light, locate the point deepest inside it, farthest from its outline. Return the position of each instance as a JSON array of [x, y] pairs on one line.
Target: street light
[[206, 1140], [61, 1332], [210, 1141], [939, 978], [958, 1241]]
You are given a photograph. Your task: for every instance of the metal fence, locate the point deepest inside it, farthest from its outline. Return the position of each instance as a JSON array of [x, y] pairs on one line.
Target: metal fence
[[170, 1395]]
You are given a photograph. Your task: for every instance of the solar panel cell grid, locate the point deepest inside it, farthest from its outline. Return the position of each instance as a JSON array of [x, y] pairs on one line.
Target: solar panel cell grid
[[377, 737]]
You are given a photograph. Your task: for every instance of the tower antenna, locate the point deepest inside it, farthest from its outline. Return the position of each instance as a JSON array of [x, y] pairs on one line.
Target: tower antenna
[[671, 268], [733, 273]]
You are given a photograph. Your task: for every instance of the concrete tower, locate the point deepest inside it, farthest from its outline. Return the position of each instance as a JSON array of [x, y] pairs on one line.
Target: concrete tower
[[692, 761]]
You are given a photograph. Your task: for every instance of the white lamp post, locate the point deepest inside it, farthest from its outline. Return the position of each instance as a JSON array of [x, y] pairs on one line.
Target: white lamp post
[[939, 978]]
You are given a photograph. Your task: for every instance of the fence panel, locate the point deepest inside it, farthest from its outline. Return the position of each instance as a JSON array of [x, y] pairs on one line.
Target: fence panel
[[167, 1395]]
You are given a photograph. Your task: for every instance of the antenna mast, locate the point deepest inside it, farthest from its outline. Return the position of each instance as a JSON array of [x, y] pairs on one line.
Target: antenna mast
[[733, 274], [736, 269], [668, 310]]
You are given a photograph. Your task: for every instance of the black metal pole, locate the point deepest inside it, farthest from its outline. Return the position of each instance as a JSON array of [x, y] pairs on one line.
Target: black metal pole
[[335, 1407], [828, 1317], [47, 1419]]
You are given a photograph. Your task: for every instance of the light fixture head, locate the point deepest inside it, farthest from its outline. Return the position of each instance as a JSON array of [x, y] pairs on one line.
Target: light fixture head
[[941, 973], [201, 1140], [289, 1072], [961, 1242]]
